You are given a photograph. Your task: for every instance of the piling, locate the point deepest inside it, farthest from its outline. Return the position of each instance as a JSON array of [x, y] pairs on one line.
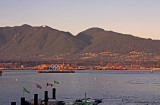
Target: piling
[[54, 93], [13, 103], [45, 97], [35, 99], [22, 101]]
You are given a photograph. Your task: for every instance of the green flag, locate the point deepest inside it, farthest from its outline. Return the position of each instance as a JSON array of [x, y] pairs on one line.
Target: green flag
[[25, 90], [56, 82]]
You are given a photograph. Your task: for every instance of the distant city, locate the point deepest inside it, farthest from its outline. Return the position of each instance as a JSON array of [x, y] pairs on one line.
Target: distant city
[[78, 66]]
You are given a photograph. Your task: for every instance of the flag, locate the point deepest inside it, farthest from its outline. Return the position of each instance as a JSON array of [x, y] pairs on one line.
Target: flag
[[56, 82], [38, 86], [25, 90], [48, 84]]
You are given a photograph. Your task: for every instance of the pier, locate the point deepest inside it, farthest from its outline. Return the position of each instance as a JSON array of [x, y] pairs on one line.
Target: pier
[[37, 101], [55, 101]]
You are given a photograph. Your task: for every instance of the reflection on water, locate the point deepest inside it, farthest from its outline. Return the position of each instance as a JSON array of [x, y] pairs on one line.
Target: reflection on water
[[134, 87]]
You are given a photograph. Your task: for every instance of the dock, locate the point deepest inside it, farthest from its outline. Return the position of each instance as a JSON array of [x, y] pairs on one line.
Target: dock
[[55, 101]]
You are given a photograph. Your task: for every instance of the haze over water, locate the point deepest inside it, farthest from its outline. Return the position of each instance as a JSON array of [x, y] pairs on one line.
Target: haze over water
[[134, 87]]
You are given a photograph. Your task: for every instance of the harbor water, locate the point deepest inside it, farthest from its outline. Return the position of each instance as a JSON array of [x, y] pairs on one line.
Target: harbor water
[[135, 87]]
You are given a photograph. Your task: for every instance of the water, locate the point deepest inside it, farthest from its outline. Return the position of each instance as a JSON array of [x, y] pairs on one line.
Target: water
[[134, 87]]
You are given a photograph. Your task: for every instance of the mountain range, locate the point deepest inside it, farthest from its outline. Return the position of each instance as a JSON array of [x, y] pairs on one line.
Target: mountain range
[[45, 43]]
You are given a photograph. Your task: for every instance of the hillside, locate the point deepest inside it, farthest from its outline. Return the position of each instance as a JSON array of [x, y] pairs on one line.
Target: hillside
[[100, 40], [36, 42], [44, 43]]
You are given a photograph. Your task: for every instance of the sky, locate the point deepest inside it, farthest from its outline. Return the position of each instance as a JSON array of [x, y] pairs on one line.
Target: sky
[[136, 17]]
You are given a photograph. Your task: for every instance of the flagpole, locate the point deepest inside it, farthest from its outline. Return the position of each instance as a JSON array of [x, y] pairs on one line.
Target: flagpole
[[23, 91], [46, 87], [54, 84], [36, 89]]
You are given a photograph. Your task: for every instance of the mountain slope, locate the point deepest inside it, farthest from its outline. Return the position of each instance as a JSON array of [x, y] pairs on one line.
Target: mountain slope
[[101, 41], [33, 41], [44, 43]]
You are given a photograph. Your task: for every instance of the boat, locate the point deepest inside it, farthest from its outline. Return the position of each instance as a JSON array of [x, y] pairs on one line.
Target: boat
[[56, 71], [88, 101]]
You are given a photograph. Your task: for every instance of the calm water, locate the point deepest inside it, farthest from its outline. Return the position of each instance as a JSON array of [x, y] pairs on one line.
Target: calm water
[[134, 87]]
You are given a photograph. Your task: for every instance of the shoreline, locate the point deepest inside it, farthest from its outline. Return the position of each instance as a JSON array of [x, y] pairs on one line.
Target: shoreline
[[82, 70]]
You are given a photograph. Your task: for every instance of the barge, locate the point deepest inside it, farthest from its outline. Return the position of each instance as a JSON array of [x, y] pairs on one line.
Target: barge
[[56, 71]]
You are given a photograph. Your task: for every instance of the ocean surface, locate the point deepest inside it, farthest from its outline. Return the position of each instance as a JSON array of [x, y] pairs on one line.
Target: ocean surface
[[134, 87]]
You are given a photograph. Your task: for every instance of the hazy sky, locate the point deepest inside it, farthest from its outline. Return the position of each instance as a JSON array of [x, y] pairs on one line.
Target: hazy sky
[[137, 17]]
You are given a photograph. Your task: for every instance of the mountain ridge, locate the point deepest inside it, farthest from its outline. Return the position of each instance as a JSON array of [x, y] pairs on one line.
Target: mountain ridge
[[26, 42]]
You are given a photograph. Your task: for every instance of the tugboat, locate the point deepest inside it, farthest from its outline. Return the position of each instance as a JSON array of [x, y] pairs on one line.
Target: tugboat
[[87, 101]]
